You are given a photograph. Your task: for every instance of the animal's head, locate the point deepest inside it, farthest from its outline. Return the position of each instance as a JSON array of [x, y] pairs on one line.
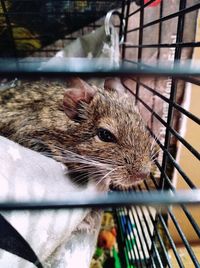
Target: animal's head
[[109, 134]]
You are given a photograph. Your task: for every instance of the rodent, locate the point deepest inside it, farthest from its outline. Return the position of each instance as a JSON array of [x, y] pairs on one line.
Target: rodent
[[96, 132]]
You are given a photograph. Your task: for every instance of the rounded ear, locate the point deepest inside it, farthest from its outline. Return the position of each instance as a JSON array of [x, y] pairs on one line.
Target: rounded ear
[[79, 91], [114, 84]]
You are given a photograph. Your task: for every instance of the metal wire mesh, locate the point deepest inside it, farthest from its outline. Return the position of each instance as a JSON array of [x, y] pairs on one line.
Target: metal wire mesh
[[144, 234], [140, 253]]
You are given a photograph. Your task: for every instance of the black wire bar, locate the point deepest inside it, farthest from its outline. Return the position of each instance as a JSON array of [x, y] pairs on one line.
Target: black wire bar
[[175, 164], [167, 157], [185, 210], [186, 44], [172, 244], [141, 241], [179, 13], [150, 236], [191, 80], [184, 239], [171, 158], [157, 237], [173, 131], [174, 104], [168, 133], [125, 12], [140, 41], [142, 7], [161, 242], [168, 181]]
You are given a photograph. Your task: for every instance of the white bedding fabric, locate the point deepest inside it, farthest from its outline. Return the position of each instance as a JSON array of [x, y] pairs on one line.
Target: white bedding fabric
[[27, 175]]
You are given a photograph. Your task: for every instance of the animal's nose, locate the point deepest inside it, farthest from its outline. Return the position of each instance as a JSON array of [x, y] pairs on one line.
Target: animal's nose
[[144, 172], [142, 176], [146, 169]]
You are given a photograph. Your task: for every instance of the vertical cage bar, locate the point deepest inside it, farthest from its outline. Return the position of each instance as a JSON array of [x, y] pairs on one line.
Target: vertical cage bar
[[191, 219], [184, 239], [171, 241], [179, 38], [125, 20], [158, 54], [140, 41], [122, 25], [160, 240], [156, 234]]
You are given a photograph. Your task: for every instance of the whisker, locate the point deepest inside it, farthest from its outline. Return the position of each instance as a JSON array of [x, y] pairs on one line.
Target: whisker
[[155, 139], [96, 160], [106, 175], [74, 159], [155, 154]]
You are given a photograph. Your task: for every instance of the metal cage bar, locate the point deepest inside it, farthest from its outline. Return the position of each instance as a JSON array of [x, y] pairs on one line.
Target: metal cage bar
[[170, 130], [138, 252]]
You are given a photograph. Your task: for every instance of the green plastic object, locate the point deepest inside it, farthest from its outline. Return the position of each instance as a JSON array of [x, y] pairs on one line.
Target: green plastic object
[[99, 252], [116, 257]]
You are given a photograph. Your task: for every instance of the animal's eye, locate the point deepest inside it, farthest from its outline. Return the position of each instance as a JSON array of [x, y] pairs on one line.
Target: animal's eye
[[105, 135]]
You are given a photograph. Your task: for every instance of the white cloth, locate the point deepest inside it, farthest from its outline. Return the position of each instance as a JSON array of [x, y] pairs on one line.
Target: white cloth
[[99, 49], [26, 175]]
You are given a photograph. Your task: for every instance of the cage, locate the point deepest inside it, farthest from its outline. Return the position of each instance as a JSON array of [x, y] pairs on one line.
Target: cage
[[159, 45]]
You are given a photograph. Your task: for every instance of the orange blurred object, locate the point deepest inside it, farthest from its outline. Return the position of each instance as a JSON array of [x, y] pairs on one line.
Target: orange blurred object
[[106, 239]]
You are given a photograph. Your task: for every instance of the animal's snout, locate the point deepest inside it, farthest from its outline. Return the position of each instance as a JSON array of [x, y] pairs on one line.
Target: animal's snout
[[146, 169], [142, 175], [139, 174]]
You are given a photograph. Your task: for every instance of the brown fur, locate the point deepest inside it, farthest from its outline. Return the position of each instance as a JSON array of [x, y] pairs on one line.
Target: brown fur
[[31, 114]]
